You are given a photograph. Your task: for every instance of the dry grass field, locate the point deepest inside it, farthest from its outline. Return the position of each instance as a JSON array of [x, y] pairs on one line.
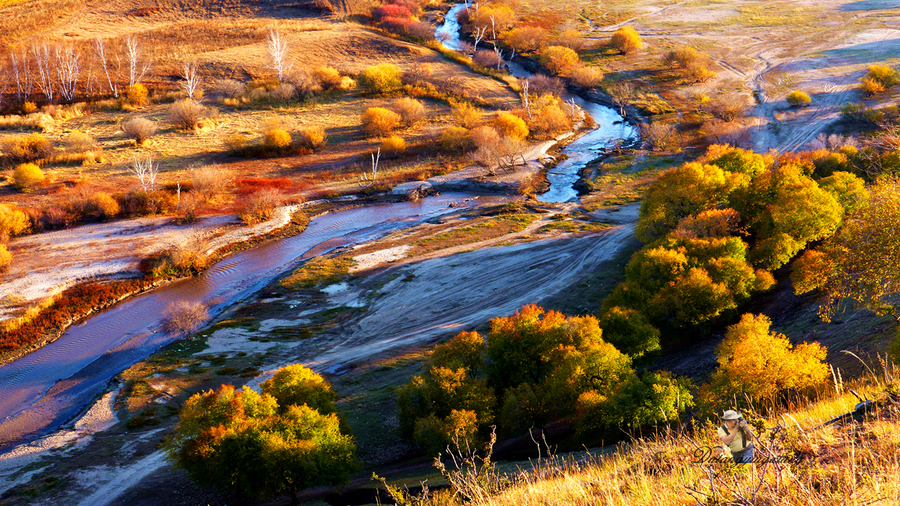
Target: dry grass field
[[228, 41]]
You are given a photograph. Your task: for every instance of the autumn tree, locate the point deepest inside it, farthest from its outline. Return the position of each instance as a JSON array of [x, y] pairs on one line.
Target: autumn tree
[[536, 363], [446, 402], [626, 40], [559, 59], [761, 364], [684, 191], [788, 210], [859, 263], [249, 443], [526, 39]]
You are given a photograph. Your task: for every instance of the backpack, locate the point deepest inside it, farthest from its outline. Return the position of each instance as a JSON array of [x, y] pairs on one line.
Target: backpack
[[743, 439]]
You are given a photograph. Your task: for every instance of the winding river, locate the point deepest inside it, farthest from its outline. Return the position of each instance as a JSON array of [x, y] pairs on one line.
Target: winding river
[[49, 387], [611, 127]]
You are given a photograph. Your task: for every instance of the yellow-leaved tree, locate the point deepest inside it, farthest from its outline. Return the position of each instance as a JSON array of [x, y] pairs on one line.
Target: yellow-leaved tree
[[758, 364], [283, 440]]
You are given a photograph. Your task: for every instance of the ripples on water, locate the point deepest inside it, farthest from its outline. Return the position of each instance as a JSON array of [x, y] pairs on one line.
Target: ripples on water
[[51, 385]]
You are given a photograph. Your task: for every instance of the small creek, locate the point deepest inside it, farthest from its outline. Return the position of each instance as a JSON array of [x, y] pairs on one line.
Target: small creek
[[611, 127]]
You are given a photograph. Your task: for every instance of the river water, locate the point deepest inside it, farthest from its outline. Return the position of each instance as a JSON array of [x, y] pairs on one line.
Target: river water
[[50, 386], [611, 127]]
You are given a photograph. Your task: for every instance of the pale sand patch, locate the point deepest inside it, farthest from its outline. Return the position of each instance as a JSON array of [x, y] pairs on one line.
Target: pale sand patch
[[100, 417], [274, 323], [376, 258], [234, 341]]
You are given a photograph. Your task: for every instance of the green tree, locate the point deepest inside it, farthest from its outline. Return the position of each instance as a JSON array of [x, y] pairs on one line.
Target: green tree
[[246, 442], [681, 192], [654, 398], [630, 332]]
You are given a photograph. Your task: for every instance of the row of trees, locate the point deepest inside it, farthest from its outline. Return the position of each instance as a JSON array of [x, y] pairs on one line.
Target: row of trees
[[532, 368], [714, 229], [56, 70]]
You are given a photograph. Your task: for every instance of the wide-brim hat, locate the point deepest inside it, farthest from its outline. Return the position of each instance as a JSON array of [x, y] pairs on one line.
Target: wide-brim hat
[[730, 415]]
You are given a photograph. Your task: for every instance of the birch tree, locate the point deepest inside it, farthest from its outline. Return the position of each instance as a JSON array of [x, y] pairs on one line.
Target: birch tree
[[192, 79], [278, 49], [41, 51], [146, 171], [138, 61], [68, 69], [21, 72], [111, 65]]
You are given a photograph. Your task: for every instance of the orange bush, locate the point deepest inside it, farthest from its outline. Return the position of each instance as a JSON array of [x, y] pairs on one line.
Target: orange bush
[[277, 139], [510, 125], [393, 145], [313, 137], [558, 59], [626, 40], [27, 177], [378, 121], [411, 111]]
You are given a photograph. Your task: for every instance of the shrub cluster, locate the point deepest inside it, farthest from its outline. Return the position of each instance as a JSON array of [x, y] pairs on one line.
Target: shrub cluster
[[713, 229], [532, 368]]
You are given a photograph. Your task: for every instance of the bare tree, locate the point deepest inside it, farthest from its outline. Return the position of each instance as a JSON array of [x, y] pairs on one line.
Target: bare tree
[[192, 79], [21, 71], [499, 57], [146, 171], [41, 51], [111, 65], [364, 180], [138, 62], [278, 48], [68, 70], [479, 35], [5, 79], [622, 94], [184, 317], [526, 99]]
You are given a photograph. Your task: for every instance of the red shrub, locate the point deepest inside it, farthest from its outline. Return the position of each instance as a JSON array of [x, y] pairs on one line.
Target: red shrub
[[71, 305], [391, 11], [396, 24], [248, 185]]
